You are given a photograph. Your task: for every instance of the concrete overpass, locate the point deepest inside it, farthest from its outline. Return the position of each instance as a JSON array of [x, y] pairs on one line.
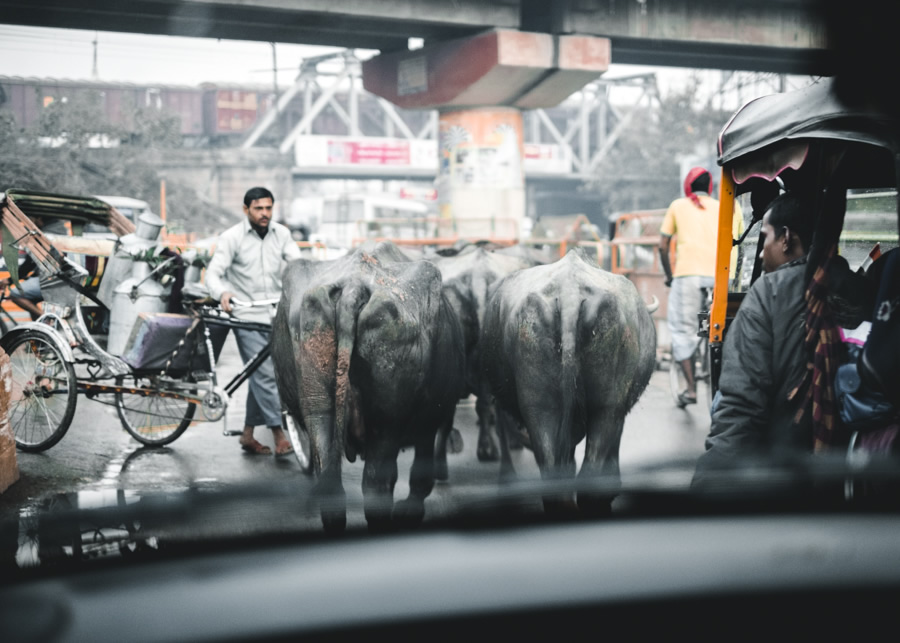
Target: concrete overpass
[[783, 36], [483, 66]]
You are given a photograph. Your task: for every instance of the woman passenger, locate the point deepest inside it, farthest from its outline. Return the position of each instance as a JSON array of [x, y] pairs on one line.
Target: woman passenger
[[764, 356]]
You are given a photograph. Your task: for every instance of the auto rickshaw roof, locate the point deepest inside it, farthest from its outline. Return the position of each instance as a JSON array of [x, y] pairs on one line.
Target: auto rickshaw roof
[[772, 134]]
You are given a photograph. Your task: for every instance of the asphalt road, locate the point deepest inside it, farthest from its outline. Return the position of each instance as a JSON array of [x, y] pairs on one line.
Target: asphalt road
[[97, 456]]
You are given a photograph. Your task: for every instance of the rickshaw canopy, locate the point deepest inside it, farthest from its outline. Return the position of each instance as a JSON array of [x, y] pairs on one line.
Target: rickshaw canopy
[[78, 209], [18, 231], [772, 136]]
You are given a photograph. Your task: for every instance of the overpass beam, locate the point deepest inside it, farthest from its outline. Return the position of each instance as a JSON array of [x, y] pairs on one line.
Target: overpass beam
[[762, 35], [480, 85]]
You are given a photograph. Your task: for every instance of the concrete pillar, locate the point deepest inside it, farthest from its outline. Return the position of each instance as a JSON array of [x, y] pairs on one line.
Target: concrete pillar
[[479, 85], [480, 183]]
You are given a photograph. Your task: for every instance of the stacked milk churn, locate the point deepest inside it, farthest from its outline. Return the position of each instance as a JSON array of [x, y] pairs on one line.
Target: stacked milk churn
[[136, 287]]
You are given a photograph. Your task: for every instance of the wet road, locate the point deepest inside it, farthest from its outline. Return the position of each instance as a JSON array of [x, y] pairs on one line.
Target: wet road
[[97, 456]]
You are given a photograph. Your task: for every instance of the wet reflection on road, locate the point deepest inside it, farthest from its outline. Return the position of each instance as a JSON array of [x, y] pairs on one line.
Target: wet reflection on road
[[273, 495]]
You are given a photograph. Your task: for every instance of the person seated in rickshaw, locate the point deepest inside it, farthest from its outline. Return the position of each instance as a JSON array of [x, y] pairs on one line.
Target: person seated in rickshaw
[[765, 355], [28, 295], [776, 396]]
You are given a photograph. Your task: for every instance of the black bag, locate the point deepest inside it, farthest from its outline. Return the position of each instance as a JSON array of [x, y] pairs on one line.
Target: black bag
[[167, 341], [861, 407]]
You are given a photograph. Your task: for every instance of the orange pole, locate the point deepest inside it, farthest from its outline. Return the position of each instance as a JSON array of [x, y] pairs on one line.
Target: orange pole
[[723, 258]]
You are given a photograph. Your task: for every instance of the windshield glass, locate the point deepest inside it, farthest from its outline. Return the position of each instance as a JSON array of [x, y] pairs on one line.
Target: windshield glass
[[381, 289]]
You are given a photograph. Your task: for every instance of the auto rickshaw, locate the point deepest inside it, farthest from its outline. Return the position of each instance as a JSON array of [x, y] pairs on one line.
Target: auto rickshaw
[[802, 140]]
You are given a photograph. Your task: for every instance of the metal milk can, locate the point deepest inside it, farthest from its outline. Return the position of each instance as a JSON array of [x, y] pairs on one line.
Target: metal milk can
[[138, 294]]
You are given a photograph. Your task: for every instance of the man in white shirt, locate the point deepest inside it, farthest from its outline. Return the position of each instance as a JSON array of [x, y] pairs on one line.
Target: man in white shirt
[[249, 260]]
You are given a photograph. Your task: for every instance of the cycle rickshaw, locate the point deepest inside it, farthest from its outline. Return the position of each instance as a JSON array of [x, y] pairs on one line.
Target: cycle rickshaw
[[804, 140], [170, 373]]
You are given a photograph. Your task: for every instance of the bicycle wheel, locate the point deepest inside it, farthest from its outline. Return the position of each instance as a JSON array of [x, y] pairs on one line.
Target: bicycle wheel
[[155, 419], [42, 399], [299, 440]]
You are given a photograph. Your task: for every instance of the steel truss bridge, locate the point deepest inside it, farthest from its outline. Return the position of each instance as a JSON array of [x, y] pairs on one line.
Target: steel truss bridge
[[567, 142]]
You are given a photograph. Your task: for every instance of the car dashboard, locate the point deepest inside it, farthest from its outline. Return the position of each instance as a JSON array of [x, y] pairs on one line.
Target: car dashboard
[[781, 574]]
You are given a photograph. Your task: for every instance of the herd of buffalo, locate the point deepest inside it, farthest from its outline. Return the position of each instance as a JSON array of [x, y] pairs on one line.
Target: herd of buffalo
[[373, 351]]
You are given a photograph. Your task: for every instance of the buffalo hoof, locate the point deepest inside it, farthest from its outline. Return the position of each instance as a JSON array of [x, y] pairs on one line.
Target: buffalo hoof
[[514, 441], [455, 441], [507, 473], [334, 522], [487, 451], [333, 509], [379, 525], [560, 507], [595, 506], [441, 472], [409, 512]]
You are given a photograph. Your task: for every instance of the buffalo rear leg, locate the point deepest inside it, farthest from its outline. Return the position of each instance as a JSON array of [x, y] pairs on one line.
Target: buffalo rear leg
[[441, 471], [326, 461], [411, 511], [504, 422], [487, 429], [379, 479], [601, 462], [554, 451]]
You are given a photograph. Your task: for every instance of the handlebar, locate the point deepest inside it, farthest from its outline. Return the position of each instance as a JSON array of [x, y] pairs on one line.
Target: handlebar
[[240, 303]]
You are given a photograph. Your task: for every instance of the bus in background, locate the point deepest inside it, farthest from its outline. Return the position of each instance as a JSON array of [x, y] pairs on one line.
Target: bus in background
[[349, 219]]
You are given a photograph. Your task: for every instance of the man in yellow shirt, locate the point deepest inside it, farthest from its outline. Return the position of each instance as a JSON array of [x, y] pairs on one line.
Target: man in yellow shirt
[[693, 220]]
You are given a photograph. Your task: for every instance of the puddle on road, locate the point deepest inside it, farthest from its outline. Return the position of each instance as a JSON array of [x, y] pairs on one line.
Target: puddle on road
[[47, 533]]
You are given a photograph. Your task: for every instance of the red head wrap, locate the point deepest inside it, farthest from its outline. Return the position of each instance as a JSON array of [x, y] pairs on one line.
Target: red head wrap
[[692, 176]]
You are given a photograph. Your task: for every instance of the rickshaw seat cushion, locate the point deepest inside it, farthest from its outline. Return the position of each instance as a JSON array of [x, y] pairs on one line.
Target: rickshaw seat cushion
[[156, 336]]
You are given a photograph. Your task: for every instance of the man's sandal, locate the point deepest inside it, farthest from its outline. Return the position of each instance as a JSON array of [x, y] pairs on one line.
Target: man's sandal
[[685, 398], [256, 448]]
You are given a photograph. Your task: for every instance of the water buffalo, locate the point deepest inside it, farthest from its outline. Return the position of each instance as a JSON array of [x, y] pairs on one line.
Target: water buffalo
[[467, 278], [369, 359], [533, 255], [568, 348]]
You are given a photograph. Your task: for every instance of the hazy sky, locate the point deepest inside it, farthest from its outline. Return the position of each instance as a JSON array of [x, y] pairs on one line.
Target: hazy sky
[[69, 54], [139, 58]]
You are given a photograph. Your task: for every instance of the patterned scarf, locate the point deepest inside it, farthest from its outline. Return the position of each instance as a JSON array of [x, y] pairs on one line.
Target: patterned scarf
[[823, 342], [692, 176]]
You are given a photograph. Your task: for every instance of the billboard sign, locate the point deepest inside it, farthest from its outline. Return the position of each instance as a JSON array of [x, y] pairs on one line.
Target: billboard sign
[[547, 158], [357, 152]]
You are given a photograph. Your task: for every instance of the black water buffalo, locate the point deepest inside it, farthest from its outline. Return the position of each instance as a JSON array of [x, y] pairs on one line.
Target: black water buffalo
[[568, 348], [369, 359], [533, 255], [467, 279]]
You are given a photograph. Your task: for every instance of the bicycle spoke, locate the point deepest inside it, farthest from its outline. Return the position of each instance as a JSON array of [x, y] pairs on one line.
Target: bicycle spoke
[[154, 419], [19, 367], [43, 395], [46, 412]]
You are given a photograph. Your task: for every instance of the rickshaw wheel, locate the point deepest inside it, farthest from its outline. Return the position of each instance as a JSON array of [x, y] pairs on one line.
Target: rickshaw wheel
[[155, 419], [299, 440], [44, 391]]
